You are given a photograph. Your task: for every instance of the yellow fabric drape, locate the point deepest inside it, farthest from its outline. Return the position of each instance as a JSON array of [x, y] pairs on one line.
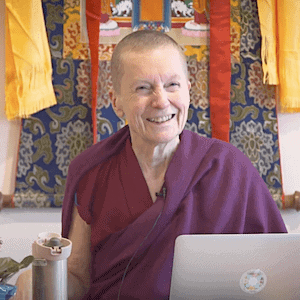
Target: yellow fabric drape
[[28, 82], [280, 31]]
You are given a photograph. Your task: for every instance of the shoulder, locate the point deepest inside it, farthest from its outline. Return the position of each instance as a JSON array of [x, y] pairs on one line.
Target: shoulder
[[217, 159], [85, 163], [213, 149], [99, 153], [96, 155]]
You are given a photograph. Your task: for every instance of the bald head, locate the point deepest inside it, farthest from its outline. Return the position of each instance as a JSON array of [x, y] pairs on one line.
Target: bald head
[[139, 42]]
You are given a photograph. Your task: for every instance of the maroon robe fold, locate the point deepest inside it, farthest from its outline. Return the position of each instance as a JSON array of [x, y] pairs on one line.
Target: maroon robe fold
[[211, 187]]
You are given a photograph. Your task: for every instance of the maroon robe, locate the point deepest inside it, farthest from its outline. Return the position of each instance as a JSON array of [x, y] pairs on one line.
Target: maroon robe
[[210, 187]]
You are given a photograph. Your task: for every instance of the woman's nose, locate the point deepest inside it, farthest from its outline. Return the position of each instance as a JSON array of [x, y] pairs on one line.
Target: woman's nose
[[160, 99]]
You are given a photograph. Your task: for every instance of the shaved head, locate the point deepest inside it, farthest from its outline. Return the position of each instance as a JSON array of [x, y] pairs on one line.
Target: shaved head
[[140, 42]]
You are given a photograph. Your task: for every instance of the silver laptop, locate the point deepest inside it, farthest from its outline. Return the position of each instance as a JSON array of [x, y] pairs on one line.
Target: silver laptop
[[236, 266]]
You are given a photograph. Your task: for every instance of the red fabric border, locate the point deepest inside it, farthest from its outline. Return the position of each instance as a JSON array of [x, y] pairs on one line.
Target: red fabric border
[[220, 69], [93, 16]]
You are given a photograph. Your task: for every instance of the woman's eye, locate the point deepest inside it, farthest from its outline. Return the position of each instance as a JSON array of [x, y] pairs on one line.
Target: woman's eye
[[142, 88], [173, 86]]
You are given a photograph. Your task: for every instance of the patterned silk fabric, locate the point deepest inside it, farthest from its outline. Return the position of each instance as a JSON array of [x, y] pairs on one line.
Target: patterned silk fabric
[[51, 138]]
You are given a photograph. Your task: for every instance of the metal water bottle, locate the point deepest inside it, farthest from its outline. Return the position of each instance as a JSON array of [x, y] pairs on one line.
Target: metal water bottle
[[49, 268]]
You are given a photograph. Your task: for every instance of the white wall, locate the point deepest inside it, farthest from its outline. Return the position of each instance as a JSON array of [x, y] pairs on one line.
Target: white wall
[[289, 135], [289, 139]]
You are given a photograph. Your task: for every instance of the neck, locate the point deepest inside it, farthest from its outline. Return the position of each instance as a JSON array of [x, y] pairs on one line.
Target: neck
[[154, 158]]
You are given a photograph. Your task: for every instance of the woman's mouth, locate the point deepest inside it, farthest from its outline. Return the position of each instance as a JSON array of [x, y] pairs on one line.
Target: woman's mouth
[[163, 119]]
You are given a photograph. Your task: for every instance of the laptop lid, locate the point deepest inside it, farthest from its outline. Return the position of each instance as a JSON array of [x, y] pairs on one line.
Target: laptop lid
[[236, 266]]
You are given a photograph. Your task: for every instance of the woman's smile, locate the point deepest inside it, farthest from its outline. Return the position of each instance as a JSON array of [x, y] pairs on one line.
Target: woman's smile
[[161, 120]]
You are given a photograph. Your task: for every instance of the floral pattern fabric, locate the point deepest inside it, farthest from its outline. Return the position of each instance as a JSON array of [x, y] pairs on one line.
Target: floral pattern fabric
[[51, 138]]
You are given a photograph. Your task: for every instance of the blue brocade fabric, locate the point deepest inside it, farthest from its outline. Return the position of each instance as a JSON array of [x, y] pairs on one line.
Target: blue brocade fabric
[[51, 138]]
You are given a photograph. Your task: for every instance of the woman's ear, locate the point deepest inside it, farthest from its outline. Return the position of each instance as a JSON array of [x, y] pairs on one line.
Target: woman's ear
[[116, 104]]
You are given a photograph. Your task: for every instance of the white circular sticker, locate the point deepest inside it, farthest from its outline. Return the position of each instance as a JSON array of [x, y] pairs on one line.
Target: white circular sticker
[[253, 281]]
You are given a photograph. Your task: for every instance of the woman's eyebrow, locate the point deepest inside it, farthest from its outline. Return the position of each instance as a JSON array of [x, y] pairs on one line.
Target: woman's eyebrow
[[175, 76]]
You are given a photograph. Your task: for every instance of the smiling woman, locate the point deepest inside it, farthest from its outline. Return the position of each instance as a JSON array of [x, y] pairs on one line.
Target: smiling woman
[[154, 97], [137, 190]]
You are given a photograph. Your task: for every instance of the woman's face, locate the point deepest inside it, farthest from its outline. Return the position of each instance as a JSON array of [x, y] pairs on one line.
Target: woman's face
[[154, 95]]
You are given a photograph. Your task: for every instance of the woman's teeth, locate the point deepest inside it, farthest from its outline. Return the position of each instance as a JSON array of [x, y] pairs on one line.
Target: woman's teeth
[[161, 119]]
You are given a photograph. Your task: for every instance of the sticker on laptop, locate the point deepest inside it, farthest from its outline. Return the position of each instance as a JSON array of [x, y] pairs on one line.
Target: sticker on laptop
[[253, 281]]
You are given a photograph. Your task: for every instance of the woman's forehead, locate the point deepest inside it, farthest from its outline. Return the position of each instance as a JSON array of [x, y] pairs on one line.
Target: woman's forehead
[[168, 59], [145, 52]]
